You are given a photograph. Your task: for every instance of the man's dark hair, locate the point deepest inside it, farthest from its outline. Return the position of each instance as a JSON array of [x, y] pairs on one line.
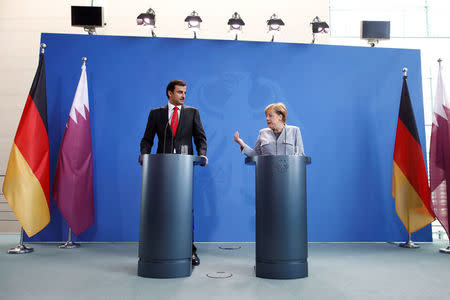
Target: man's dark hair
[[172, 84]]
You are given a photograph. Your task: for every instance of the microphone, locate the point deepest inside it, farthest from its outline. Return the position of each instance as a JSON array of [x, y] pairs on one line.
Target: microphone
[[165, 134], [172, 150]]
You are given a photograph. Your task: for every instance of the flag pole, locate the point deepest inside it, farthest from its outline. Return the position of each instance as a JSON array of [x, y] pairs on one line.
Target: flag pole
[[21, 248], [443, 250], [69, 244], [408, 244], [43, 46]]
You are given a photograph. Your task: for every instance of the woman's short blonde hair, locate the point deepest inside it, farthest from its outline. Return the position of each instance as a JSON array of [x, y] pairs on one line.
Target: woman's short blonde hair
[[279, 108]]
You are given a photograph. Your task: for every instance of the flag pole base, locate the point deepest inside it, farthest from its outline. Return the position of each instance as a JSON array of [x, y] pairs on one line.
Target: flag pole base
[[69, 245], [445, 250], [20, 249], [409, 244]]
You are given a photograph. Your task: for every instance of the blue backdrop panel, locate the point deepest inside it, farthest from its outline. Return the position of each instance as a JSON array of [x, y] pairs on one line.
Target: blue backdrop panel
[[344, 99]]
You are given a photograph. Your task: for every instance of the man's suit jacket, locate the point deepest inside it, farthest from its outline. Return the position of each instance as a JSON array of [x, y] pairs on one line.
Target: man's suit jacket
[[189, 126]]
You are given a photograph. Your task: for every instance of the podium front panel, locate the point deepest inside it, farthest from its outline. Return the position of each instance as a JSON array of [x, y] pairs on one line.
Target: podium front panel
[[281, 218], [165, 235]]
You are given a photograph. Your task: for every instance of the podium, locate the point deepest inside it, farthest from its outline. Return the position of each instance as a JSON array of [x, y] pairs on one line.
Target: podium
[[281, 233], [165, 233]]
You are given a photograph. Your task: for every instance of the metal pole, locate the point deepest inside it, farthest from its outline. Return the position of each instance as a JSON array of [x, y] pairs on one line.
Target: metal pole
[[21, 248], [409, 243], [427, 12], [445, 250], [69, 244]]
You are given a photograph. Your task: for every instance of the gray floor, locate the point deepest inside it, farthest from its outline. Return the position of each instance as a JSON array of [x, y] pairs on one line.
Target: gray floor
[[336, 271]]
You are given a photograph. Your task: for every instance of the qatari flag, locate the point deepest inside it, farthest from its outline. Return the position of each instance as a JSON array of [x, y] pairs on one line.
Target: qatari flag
[[440, 155], [73, 187]]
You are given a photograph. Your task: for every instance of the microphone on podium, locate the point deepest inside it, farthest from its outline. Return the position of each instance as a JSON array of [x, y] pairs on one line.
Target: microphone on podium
[[165, 135]]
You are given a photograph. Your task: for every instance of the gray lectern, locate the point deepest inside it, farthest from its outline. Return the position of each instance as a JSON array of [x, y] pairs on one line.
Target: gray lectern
[[165, 234], [281, 234]]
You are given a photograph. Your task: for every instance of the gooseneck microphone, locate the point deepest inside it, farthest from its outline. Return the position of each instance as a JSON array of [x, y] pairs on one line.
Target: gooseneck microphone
[[165, 135], [172, 150]]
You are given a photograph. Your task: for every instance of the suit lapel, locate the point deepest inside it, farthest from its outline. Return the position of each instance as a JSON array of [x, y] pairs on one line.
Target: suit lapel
[[180, 122]]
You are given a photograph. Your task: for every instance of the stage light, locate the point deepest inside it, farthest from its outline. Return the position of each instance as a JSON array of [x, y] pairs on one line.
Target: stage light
[[274, 24], [193, 21], [236, 24], [318, 27], [147, 19]]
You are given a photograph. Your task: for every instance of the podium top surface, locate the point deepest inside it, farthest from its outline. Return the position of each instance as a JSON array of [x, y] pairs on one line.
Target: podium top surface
[[197, 160], [254, 159]]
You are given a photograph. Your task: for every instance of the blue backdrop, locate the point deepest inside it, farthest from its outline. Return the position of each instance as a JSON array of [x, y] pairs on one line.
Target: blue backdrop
[[344, 99]]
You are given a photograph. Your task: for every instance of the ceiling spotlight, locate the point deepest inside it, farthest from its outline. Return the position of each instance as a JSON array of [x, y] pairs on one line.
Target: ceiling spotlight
[[147, 19], [318, 27], [274, 24], [193, 21], [236, 24]]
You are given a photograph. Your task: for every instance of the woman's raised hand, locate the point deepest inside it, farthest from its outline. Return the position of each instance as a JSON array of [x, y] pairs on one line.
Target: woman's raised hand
[[236, 137], [239, 140]]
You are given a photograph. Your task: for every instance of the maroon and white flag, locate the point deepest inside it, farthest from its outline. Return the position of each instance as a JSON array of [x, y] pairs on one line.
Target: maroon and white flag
[[440, 154], [73, 186]]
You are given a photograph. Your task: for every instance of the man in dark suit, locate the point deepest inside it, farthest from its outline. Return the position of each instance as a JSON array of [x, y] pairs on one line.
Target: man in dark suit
[[176, 125]]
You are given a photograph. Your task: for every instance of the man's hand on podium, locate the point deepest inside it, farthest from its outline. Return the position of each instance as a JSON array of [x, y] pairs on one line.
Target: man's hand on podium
[[206, 163], [140, 160]]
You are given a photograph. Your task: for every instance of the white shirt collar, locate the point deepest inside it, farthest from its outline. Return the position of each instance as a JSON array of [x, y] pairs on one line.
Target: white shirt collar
[[171, 106]]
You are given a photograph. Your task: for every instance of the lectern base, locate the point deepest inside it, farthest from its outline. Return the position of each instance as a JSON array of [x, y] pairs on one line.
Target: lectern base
[[164, 268], [282, 270]]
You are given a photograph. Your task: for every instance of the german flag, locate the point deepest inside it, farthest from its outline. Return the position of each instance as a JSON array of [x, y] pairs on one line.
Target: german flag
[[26, 185], [410, 187]]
